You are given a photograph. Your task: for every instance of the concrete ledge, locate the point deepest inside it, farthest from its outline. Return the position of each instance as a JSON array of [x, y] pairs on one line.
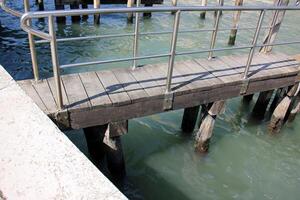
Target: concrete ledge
[[37, 161]]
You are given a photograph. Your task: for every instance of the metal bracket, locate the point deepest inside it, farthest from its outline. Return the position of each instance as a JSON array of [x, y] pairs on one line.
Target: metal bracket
[[168, 101], [244, 87]]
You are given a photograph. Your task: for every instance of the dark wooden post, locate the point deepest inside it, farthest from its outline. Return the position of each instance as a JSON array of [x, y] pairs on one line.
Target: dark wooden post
[[84, 5], [203, 13], [221, 3], [261, 105], [189, 119], [97, 16], [248, 98], [148, 14], [40, 4], [236, 19], [114, 153], [281, 111], [60, 6], [279, 95], [94, 138], [75, 5], [295, 109], [275, 26], [206, 129], [130, 4]]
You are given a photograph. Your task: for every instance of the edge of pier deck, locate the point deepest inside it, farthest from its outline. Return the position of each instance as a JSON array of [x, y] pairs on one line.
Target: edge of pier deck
[[96, 98]]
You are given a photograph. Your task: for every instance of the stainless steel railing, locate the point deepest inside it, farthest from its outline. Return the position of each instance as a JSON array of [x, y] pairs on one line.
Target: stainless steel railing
[[51, 36]]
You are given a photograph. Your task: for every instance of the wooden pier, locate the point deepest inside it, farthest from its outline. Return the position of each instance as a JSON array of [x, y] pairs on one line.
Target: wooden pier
[[97, 98]]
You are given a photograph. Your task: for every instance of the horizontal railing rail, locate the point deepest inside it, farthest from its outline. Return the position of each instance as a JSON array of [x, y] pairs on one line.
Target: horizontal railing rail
[[177, 10]]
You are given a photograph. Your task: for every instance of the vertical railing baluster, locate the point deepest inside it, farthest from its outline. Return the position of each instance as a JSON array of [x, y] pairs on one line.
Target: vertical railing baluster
[[32, 45], [173, 51], [55, 62], [136, 36], [214, 35], [254, 43]]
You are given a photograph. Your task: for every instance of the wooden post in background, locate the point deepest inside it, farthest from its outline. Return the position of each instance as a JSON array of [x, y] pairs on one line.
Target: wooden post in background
[[220, 3], [174, 3], [203, 13], [274, 26], [40, 4], [189, 119], [130, 4], [75, 5], [206, 129], [60, 6], [148, 14], [236, 19], [84, 5], [96, 16]]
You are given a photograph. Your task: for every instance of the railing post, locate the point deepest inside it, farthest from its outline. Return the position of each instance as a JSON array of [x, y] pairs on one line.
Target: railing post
[[214, 35], [172, 52], [136, 36], [55, 62], [254, 43], [32, 45]]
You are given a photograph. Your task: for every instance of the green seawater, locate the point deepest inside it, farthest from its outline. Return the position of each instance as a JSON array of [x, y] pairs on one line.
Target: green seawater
[[244, 161]]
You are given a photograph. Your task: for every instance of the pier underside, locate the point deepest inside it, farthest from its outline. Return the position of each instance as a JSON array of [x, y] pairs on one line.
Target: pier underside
[[96, 98]]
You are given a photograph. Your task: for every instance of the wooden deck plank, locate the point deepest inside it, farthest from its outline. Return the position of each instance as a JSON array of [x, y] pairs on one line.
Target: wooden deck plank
[[43, 89], [148, 82], [76, 94], [94, 89], [220, 70], [113, 88], [130, 85], [26, 85], [52, 86]]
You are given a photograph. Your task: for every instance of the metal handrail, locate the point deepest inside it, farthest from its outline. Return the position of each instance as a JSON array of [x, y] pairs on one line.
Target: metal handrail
[[9, 10], [51, 37]]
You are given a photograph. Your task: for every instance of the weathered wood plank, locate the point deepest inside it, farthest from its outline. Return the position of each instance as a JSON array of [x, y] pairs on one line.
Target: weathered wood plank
[[113, 87], [94, 89], [52, 86], [26, 85], [76, 94], [43, 89], [130, 85]]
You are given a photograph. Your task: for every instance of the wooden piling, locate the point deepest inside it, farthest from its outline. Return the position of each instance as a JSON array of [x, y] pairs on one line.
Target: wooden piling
[[189, 119], [220, 3], [279, 95], [97, 16], [75, 5], [84, 5], [261, 104], [114, 153], [281, 111], [236, 19], [295, 109], [274, 26], [130, 3], [247, 98], [40, 4], [203, 13], [174, 3], [94, 138], [206, 129], [60, 6], [148, 14]]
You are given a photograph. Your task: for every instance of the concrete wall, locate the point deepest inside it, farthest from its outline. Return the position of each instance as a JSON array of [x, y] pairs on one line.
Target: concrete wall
[[37, 161]]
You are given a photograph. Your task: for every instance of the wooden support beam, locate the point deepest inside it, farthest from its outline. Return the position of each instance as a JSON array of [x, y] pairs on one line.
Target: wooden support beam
[[247, 98], [236, 19], [281, 111], [189, 119], [114, 152], [203, 13], [174, 3], [97, 16], [261, 105], [130, 3], [275, 26], [148, 14], [94, 138], [59, 6], [75, 5], [206, 129], [279, 95], [295, 109]]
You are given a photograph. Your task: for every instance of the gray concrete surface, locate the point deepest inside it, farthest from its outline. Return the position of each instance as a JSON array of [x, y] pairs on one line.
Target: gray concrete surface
[[37, 161]]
